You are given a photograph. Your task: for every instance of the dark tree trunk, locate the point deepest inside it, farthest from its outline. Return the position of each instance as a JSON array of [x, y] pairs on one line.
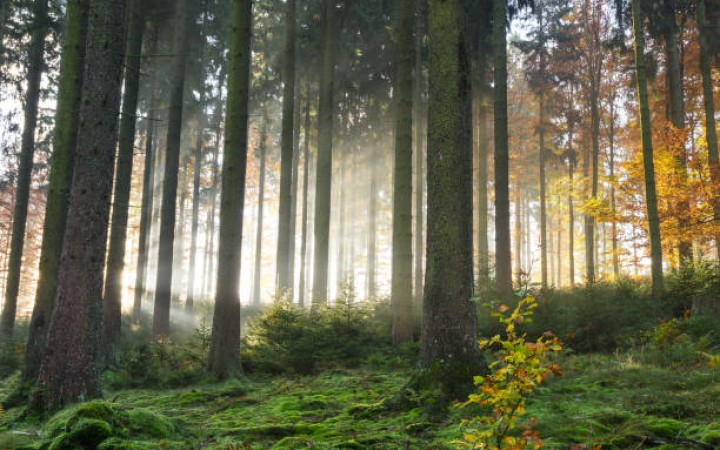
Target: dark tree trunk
[[112, 300], [293, 194], [324, 160], [304, 219], [449, 355], [36, 64], [64, 142], [286, 152], [419, 145], [261, 202], [70, 369], [224, 358], [163, 286]]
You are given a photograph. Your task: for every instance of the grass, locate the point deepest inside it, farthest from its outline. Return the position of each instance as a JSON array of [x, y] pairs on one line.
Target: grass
[[604, 400]]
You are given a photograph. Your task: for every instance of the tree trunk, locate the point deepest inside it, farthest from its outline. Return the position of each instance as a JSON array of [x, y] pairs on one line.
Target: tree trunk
[[286, 152], [36, 64], [198, 155], [647, 149], [482, 212], [518, 234], [543, 184], [419, 169], [449, 355], [112, 300], [503, 263], [341, 212], [304, 219], [293, 195], [401, 294], [224, 358], [70, 369], [261, 201], [64, 142], [571, 221], [611, 162], [163, 285], [179, 237], [324, 161], [372, 225]]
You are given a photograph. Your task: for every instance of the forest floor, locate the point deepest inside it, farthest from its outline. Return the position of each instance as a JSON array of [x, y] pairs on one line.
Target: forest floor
[[610, 401]]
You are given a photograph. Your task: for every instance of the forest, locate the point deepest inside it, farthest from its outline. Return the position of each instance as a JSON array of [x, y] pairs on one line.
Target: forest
[[359, 224]]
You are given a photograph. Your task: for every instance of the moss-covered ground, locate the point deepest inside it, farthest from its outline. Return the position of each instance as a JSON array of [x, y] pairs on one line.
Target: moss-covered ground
[[607, 400]]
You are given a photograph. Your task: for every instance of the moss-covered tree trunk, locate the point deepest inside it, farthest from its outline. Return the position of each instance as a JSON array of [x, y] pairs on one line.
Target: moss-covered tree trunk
[[40, 27], [163, 287], [401, 288], [647, 149], [257, 268], [323, 178], [224, 358], [449, 355], [61, 169], [287, 140], [304, 217], [112, 300], [503, 257], [70, 369]]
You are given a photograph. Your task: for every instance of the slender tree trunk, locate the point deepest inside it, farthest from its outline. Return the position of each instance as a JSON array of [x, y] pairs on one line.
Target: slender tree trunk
[[503, 263], [70, 369], [518, 234], [304, 219], [449, 355], [293, 195], [261, 201], [482, 212], [163, 288], [372, 226], [543, 199], [112, 300], [709, 105], [36, 64], [224, 356], [198, 156], [341, 210], [401, 294], [179, 237], [419, 169], [589, 218], [64, 142], [571, 221], [613, 231], [324, 160], [286, 152], [647, 148], [147, 195]]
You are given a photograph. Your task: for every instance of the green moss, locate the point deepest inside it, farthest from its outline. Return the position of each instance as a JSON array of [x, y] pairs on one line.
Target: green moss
[[85, 434], [664, 427], [64, 420], [145, 422]]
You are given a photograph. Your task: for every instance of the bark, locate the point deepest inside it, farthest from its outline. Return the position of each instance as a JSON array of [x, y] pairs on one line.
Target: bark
[[36, 64], [197, 155], [112, 300], [147, 196], [293, 195], [304, 219], [518, 234], [224, 358], [372, 225], [449, 355], [419, 170], [647, 149], [261, 202], [61, 169], [70, 370], [503, 263], [611, 162], [178, 259], [163, 284], [284, 277], [401, 289], [543, 184], [482, 212], [341, 212], [324, 160]]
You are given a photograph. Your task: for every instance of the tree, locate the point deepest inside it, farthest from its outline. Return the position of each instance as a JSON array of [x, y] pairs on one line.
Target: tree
[[64, 142], [647, 149], [304, 215], [36, 64], [112, 300], [402, 193], [449, 354], [198, 163], [262, 150], [163, 288], [324, 158], [224, 358], [70, 369], [285, 239]]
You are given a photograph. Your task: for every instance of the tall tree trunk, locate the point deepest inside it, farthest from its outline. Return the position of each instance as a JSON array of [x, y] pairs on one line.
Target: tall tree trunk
[[401, 294], [64, 142], [611, 163], [449, 355], [571, 221], [419, 145], [40, 28], [341, 212], [543, 184], [503, 263], [198, 156], [709, 104], [293, 194], [518, 234], [372, 225], [163, 285], [595, 149], [70, 369], [482, 212], [286, 152], [224, 358], [179, 237], [647, 149], [324, 159], [147, 194], [304, 219], [112, 300], [261, 201]]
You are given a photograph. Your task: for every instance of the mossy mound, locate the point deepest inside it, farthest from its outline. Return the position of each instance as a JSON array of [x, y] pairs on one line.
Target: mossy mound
[[142, 421], [85, 434]]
